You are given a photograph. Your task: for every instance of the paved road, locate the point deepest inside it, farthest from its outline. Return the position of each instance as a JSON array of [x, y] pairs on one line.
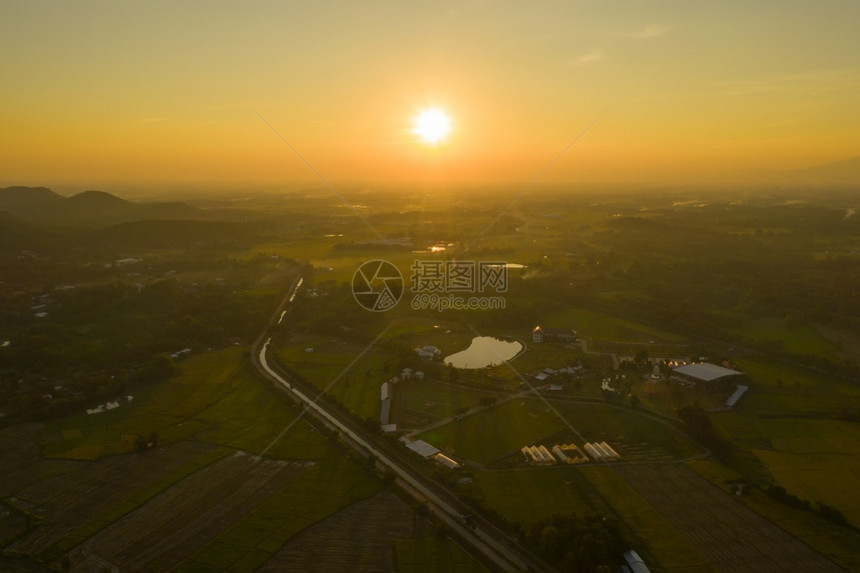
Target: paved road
[[492, 543]]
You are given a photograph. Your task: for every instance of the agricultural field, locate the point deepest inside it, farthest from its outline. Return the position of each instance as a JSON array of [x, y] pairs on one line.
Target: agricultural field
[[361, 538], [835, 541], [526, 496], [432, 554], [802, 340], [660, 540], [728, 534], [175, 523], [93, 494], [790, 423], [417, 403], [321, 490], [501, 431], [598, 328], [216, 399], [356, 387], [805, 456]]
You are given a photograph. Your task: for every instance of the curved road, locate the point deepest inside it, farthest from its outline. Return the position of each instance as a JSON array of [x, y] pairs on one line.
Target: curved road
[[495, 546]]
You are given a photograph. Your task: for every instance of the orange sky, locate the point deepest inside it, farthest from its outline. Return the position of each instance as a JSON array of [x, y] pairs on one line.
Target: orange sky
[[96, 94]]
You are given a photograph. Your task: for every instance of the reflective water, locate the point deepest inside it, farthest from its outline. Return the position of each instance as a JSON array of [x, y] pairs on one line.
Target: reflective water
[[485, 351]]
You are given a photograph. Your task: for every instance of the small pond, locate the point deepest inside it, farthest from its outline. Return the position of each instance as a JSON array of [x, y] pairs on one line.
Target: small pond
[[485, 351]]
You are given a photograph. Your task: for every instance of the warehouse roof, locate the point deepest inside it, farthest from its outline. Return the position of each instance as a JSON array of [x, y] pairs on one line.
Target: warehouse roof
[[705, 372]]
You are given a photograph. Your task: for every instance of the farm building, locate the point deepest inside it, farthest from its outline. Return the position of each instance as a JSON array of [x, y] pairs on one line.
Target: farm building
[[601, 452], [733, 399], [423, 449], [428, 352], [609, 450], [547, 334], [446, 461], [634, 562], [546, 455], [385, 412], [571, 452], [559, 455], [538, 455], [703, 373]]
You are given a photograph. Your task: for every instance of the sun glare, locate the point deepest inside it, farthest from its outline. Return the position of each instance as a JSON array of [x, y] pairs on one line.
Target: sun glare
[[432, 125]]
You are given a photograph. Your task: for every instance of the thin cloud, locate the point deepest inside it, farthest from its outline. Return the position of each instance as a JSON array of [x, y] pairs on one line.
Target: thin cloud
[[590, 57], [652, 31]]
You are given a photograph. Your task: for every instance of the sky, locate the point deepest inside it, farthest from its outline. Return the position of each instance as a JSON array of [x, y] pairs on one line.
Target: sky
[[211, 93]]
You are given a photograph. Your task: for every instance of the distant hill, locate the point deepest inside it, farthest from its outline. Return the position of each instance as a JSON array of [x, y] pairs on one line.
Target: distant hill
[[17, 235], [30, 202], [845, 173], [87, 209]]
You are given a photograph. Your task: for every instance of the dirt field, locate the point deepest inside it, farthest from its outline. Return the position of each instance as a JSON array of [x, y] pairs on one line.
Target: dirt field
[[20, 462], [359, 538], [731, 536], [182, 519], [88, 489]]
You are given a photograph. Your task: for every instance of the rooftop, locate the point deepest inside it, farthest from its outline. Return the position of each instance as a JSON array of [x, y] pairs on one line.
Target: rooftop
[[705, 372]]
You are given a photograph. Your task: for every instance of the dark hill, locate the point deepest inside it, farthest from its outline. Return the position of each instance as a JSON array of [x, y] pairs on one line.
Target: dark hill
[[18, 235], [98, 200], [87, 209], [30, 202]]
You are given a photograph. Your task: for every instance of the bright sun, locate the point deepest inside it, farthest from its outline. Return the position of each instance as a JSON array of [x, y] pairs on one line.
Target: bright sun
[[432, 125]]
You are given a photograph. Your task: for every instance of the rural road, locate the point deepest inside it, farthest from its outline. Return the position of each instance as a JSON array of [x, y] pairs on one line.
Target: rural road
[[489, 541]]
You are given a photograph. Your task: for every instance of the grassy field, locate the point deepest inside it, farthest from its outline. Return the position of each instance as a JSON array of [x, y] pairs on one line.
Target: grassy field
[[798, 340], [526, 496], [663, 542], [216, 399], [432, 555], [600, 327], [357, 388], [132, 501], [835, 541], [410, 399], [788, 422], [495, 433]]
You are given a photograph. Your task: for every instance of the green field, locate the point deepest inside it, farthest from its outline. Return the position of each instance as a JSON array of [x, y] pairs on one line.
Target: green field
[[216, 399], [600, 327], [817, 460], [493, 434], [356, 387], [835, 541], [410, 399], [661, 539], [526, 496], [789, 423], [797, 340]]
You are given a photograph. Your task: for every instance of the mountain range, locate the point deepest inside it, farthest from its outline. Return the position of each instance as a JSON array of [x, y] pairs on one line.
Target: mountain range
[[87, 209]]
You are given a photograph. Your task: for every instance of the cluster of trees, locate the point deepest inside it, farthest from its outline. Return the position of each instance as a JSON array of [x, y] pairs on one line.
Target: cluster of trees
[[576, 543], [101, 337], [829, 513], [699, 426]]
